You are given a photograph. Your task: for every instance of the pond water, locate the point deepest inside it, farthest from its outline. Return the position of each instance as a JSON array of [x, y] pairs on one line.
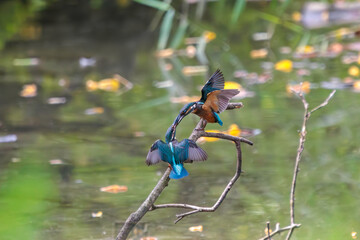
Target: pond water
[[65, 132]]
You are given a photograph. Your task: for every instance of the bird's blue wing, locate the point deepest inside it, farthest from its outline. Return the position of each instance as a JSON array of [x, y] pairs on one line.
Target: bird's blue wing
[[215, 82], [181, 151], [195, 152], [158, 151]]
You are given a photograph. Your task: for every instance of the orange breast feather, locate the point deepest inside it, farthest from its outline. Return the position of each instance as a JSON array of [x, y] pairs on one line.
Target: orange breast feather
[[212, 101]]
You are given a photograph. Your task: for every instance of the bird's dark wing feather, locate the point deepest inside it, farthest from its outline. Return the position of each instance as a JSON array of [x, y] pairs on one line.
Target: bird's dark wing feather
[[224, 97], [215, 82], [158, 151], [181, 151], [195, 152]]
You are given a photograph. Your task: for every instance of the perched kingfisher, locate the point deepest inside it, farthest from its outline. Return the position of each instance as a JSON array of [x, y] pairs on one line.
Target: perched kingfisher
[[175, 153], [214, 100]]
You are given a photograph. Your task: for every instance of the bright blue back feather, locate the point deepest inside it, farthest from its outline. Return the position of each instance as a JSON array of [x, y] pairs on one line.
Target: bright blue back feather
[[183, 173], [217, 117]]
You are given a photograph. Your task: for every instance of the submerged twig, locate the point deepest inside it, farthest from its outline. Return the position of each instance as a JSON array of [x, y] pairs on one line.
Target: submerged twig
[[300, 150], [148, 204]]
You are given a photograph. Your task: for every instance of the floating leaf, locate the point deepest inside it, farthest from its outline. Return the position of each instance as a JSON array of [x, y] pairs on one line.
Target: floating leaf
[[210, 139], [305, 49], [109, 84], [302, 87], [149, 238], [139, 134], [114, 189], [284, 65], [87, 62], [267, 231], [259, 53], [194, 70], [56, 162], [232, 85], [196, 228], [98, 214], [356, 86], [8, 138], [29, 90], [93, 111], [165, 53], [209, 36], [91, 85], [296, 16], [15, 160], [56, 100], [234, 130], [354, 71]]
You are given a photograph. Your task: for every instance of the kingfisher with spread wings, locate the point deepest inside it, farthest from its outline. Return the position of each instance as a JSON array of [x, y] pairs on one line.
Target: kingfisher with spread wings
[[175, 153], [214, 100]]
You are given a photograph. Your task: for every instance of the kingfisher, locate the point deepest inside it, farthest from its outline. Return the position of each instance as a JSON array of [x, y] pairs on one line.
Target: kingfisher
[[214, 100], [175, 153]]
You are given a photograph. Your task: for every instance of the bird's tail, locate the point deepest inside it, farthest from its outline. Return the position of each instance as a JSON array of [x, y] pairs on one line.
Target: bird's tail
[[217, 117], [181, 172]]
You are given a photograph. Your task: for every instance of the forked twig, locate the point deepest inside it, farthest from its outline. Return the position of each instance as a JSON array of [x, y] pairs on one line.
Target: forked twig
[[196, 209], [300, 150]]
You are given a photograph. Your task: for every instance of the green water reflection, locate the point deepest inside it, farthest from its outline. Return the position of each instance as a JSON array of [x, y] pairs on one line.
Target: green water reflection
[[39, 200]]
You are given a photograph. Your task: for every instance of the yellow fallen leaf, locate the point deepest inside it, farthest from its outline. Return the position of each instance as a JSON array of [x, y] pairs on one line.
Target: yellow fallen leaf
[[194, 70], [114, 189], [234, 130], [109, 84], [267, 231], [259, 53], [304, 87], [211, 139], [339, 33], [196, 228], [91, 85], [29, 90], [165, 53], [232, 85], [209, 36], [296, 16], [97, 214], [356, 85], [284, 65], [94, 110], [305, 49], [354, 71]]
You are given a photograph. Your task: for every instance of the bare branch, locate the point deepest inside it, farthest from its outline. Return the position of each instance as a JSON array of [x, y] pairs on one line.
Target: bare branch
[[300, 150], [196, 209], [135, 217], [279, 230], [325, 102], [148, 204]]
